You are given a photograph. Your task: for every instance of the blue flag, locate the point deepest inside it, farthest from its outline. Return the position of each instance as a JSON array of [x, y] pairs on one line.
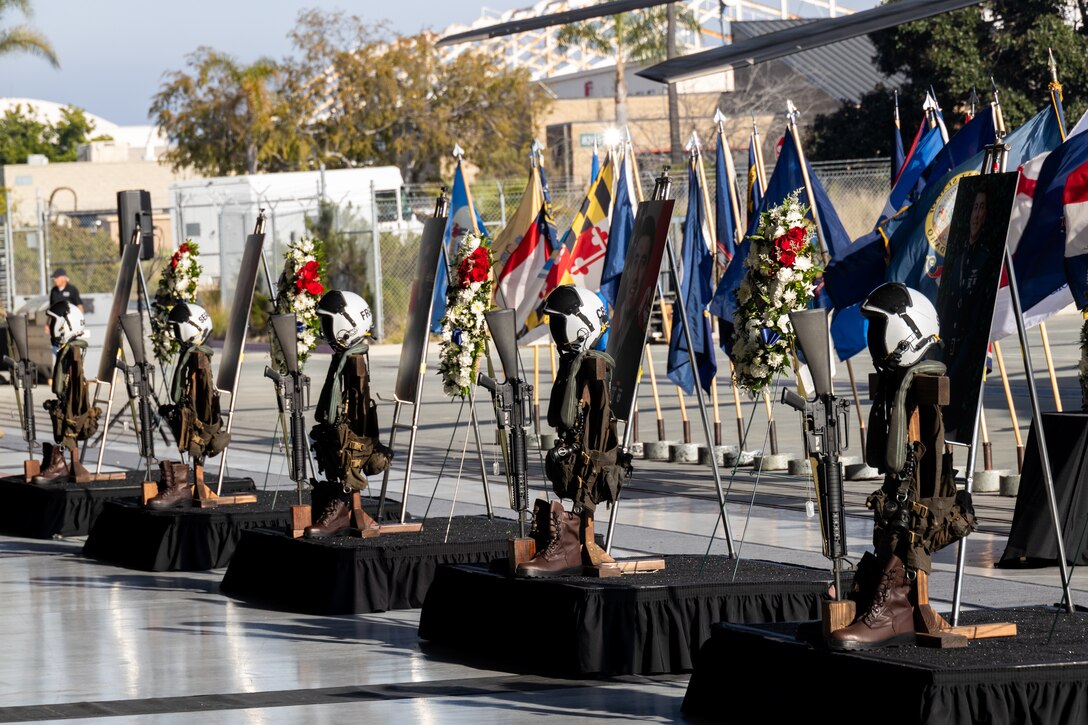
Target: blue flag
[[619, 235], [594, 165], [725, 188], [786, 179], [463, 218], [862, 266], [697, 264], [922, 154], [755, 193], [898, 157], [917, 243]]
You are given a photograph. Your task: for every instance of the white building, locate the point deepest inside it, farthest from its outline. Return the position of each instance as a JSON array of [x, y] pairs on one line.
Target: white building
[[219, 213]]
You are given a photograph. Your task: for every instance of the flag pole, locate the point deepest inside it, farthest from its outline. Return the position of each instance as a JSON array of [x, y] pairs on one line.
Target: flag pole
[[1056, 98], [1012, 407], [825, 252]]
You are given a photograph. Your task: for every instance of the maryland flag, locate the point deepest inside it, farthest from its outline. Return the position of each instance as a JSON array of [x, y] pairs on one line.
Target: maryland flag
[[522, 251], [580, 256]]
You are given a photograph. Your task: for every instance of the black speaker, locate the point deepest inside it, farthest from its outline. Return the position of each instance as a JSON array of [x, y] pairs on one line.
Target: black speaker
[[134, 207]]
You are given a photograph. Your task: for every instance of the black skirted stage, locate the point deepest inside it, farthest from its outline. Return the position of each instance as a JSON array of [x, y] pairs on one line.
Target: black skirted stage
[[1034, 678], [68, 508], [184, 538], [353, 575], [635, 624]]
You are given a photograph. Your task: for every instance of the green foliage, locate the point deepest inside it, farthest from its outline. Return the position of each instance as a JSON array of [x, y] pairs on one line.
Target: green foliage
[[229, 118], [355, 94], [958, 51], [633, 37], [22, 134], [23, 38]]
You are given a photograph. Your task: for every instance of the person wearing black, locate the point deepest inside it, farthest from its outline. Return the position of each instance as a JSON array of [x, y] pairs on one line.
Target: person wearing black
[[64, 291]]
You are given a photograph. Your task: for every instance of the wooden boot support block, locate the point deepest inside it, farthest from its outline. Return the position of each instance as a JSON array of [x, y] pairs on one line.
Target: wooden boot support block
[[521, 551], [301, 517], [206, 498], [148, 491], [932, 630], [837, 614], [369, 528], [31, 468]]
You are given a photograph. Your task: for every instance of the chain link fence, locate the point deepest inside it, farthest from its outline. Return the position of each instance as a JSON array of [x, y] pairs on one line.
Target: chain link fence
[[378, 260]]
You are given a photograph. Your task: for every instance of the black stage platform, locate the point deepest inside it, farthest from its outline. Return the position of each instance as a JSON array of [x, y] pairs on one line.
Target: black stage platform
[[353, 575], [68, 508], [762, 674], [635, 624], [180, 539]]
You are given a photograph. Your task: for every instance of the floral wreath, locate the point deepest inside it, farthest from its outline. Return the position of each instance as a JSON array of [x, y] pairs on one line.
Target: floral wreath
[[464, 334], [298, 291], [780, 278], [177, 283]]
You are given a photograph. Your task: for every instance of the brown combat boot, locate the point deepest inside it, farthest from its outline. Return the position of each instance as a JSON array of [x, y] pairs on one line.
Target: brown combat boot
[[173, 488], [887, 620], [335, 516], [55, 468], [562, 555]]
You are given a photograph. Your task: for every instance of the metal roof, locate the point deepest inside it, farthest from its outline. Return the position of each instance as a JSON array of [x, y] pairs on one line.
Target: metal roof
[[795, 39], [844, 70]]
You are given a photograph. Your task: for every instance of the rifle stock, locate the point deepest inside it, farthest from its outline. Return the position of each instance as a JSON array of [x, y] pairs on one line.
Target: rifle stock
[[24, 374]]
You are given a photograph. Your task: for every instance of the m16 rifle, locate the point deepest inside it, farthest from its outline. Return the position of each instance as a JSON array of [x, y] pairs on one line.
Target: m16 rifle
[[140, 381], [294, 390], [25, 375], [826, 434], [512, 403]]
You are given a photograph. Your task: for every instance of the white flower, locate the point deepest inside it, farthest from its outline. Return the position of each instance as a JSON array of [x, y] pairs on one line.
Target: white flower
[[778, 231], [794, 218], [783, 323], [785, 274], [474, 286], [789, 296], [802, 263]]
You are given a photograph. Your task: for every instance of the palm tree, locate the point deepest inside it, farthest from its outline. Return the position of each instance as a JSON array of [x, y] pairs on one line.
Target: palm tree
[[640, 36], [23, 38]]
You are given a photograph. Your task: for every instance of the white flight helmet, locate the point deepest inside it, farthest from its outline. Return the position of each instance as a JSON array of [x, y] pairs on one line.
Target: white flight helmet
[[345, 318], [576, 316], [191, 323], [66, 323], [903, 325]]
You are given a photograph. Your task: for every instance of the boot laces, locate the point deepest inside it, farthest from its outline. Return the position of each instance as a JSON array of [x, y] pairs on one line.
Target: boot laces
[[557, 524], [880, 601]]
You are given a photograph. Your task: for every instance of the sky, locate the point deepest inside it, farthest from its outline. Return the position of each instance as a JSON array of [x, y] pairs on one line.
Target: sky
[[113, 53]]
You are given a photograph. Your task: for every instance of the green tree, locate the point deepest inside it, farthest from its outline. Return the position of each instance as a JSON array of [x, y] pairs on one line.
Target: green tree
[[23, 38], [22, 133], [378, 98], [955, 52], [225, 117]]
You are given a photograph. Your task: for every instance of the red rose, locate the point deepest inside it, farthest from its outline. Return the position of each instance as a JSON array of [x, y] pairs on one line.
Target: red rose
[[787, 258], [183, 249], [796, 236], [306, 278], [783, 243]]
